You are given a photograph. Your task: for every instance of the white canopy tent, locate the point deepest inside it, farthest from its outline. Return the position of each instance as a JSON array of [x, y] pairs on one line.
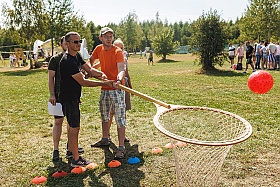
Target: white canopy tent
[[83, 50], [46, 46]]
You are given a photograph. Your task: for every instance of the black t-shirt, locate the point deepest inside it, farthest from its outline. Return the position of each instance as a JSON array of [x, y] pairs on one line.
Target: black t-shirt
[[249, 51], [70, 89], [54, 66]]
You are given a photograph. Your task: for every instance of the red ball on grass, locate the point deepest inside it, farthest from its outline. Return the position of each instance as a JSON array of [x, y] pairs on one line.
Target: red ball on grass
[[260, 82]]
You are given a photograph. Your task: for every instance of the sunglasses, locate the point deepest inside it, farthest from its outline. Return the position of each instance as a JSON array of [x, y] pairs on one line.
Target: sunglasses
[[76, 41]]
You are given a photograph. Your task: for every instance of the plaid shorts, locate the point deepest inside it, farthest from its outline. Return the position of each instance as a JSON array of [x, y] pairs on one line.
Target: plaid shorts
[[113, 98]]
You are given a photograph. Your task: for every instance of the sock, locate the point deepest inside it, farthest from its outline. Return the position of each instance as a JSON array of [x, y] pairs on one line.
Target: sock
[[104, 140], [121, 148]]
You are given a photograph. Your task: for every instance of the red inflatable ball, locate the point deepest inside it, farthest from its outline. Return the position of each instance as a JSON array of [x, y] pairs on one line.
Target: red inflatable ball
[[260, 82]]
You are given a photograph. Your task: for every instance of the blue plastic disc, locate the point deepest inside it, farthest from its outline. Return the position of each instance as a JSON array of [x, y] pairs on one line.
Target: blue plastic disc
[[133, 160]]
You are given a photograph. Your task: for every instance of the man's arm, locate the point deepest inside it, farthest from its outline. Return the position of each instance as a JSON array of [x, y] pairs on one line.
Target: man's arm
[[91, 61], [121, 72], [94, 72], [80, 78], [52, 98], [259, 51]]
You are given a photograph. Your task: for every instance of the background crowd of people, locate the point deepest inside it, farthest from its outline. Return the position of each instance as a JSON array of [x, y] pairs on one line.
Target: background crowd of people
[[263, 55]]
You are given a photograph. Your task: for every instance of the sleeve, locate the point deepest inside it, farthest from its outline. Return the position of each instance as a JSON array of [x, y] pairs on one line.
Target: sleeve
[[52, 64], [119, 56], [80, 59], [96, 52]]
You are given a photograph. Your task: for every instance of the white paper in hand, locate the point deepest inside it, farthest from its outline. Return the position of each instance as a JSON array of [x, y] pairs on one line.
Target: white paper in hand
[[55, 110]]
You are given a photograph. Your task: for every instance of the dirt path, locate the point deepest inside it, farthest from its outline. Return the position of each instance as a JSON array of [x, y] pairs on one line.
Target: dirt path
[[6, 69]]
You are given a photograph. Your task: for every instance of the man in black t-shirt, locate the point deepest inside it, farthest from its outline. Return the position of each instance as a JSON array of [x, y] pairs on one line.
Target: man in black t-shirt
[[249, 53], [70, 91], [54, 85]]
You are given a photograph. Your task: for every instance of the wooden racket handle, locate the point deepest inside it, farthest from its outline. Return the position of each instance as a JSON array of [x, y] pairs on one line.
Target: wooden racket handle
[[148, 98]]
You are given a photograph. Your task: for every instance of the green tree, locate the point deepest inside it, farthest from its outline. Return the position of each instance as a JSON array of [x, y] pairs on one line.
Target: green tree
[[209, 37], [163, 44], [260, 20], [28, 16], [130, 31], [94, 34], [78, 24], [58, 13]]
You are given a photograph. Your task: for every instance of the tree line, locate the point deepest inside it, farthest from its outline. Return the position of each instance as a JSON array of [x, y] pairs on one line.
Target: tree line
[[29, 20]]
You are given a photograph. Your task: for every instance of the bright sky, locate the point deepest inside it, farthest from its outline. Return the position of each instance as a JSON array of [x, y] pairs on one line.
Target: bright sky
[[101, 12]]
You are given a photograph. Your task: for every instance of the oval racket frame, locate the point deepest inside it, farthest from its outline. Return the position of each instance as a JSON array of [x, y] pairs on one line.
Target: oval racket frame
[[161, 111]]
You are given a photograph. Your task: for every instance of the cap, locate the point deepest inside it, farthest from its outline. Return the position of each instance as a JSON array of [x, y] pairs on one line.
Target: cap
[[104, 30]]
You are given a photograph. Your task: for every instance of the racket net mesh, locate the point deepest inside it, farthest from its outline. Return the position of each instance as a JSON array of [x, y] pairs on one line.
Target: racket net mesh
[[199, 163]]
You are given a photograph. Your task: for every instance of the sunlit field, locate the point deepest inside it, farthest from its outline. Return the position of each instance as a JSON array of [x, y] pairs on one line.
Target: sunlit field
[[26, 127]]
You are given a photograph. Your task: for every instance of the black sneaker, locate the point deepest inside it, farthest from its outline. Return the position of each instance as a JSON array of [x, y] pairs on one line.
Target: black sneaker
[[80, 162], [69, 154], [80, 149], [55, 155]]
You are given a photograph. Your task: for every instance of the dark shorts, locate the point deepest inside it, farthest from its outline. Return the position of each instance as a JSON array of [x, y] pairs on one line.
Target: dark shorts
[[58, 117], [72, 112], [231, 57], [151, 58], [249, 61]]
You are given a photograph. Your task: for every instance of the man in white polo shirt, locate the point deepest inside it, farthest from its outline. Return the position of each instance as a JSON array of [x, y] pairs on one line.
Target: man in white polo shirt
[[277, 56], [231, 53], [271, 58]]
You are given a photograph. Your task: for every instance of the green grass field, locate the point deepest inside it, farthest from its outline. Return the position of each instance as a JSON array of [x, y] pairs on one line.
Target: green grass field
[[26, 128]]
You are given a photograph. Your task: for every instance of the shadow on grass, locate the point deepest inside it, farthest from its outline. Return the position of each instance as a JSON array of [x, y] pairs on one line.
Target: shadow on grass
[[23, 73], [167, 61], [221, 73], [126, 174], [72, 179]]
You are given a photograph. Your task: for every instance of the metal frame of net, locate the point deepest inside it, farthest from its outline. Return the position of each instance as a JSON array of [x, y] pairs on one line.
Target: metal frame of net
[[208, 133]]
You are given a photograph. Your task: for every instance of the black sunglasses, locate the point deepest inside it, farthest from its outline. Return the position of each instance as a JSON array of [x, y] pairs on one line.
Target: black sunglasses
[[76, 41]]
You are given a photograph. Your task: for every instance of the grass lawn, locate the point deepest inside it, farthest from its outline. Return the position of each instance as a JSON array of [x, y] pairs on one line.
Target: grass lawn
[[26, 128]]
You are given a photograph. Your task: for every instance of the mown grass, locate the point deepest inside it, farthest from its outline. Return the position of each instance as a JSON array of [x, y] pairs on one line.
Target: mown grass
[[26, 128]]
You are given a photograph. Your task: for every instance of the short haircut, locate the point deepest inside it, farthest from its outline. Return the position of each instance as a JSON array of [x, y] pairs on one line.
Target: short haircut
[[68, 35], [61, 39], [118, 41], [262, 41], [248, 42]]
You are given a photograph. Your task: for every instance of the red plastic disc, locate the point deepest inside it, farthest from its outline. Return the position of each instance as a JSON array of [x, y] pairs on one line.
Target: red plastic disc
[[157, 150], [114, 163], [39, 179], [78, 170], [60, 173]]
